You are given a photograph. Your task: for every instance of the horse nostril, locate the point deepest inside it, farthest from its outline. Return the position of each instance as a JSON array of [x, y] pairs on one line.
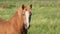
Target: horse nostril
[[26, 26]]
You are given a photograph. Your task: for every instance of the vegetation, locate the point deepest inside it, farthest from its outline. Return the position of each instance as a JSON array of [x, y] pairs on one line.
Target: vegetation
[[45, 15]]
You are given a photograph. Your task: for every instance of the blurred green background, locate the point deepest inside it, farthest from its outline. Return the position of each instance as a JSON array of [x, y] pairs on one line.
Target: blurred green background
[[45, 14]]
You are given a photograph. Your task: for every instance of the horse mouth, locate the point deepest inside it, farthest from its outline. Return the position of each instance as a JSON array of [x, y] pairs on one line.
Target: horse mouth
[[26, 27]]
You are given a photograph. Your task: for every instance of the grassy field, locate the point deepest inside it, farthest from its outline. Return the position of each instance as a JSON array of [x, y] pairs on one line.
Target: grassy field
[[45, 15]]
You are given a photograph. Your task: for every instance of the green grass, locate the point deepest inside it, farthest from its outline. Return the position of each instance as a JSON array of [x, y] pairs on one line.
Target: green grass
[[45, 21], [45, 15]]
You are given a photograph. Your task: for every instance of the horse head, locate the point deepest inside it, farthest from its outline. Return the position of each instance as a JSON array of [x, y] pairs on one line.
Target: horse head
[[27, 15]]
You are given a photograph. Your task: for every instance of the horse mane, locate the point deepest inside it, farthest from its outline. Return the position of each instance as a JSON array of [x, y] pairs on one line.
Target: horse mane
[[2, 20]]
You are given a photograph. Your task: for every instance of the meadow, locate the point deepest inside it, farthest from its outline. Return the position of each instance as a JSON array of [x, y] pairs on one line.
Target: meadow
[[45, 15]]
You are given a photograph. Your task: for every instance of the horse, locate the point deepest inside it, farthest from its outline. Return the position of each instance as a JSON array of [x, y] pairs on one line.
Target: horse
[[1, 20], [19, 23]]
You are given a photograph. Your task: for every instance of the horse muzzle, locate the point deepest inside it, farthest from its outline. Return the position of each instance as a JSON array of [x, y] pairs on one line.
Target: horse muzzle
[[27, 26]]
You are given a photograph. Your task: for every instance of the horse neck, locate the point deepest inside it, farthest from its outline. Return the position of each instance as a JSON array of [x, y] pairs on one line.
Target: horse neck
[[17, 20]]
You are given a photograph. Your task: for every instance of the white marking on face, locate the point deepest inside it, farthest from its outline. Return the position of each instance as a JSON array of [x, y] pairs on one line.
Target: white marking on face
[[27, 19]]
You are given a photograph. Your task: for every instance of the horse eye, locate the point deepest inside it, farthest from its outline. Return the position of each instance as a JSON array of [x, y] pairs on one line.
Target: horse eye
[[30, 13], [23, 13]]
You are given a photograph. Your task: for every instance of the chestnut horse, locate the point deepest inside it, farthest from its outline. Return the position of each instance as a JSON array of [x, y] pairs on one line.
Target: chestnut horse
[[19, 23]]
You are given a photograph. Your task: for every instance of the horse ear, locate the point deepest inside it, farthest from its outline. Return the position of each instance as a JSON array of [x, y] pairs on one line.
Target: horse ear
[[23, 6], [31, 6]]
